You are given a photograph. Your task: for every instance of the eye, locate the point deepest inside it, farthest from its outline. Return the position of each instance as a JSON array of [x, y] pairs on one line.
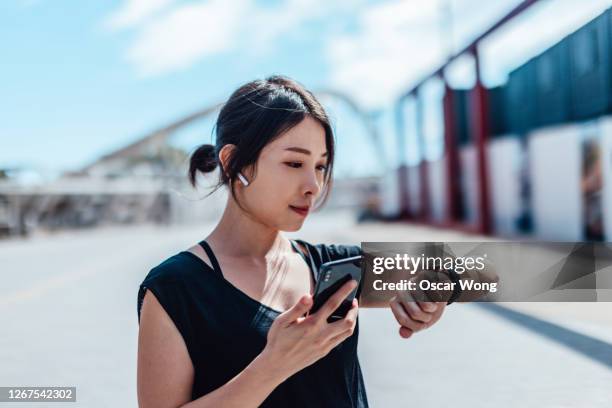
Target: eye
[[322, 167], [295, 165]]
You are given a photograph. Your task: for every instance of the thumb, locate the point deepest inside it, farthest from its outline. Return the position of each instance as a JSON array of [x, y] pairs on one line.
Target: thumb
[[302, 306]]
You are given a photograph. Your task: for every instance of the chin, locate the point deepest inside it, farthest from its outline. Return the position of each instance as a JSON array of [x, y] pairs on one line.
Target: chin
[[292, 226]]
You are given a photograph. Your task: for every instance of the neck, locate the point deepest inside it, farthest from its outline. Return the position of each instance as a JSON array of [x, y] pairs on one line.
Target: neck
[[240, 235]]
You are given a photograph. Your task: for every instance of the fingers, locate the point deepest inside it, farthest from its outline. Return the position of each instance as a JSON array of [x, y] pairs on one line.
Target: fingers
[[417, 310], [354, 310], [428, 307], [405, 332], [296, 311], [420, 311], [341, 329], [335, 300], [403, 317]]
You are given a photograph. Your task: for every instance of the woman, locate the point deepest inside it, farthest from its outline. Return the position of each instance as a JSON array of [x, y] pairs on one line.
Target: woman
[[222, 324]]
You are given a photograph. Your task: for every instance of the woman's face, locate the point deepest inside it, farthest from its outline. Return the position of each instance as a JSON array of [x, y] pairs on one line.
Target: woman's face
[[289, 178]]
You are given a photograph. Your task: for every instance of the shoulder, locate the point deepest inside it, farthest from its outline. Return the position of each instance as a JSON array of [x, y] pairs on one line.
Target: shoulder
[[171, 283], [171, 279], [330, 252], [177, 268]]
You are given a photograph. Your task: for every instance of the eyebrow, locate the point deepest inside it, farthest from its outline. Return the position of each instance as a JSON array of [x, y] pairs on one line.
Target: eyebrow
[[301, 150]]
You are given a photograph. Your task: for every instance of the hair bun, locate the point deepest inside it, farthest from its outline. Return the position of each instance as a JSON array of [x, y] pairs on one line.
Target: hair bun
[[204, 160]]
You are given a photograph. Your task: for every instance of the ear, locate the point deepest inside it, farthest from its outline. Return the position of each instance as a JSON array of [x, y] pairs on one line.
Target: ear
[[225, 155]]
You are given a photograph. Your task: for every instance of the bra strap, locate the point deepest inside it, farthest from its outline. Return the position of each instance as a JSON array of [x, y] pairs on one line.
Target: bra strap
[[212, 257]]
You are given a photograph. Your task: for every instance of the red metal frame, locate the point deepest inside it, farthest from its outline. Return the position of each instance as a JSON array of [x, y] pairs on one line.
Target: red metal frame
[[403, 168], [481, 132], [480, 122], [452, 156]]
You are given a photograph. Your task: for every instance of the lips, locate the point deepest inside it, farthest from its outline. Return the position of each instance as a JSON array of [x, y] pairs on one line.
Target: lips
[[300, 210]]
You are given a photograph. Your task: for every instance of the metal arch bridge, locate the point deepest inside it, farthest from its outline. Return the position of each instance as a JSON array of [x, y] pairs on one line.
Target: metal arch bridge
[[159, 138]]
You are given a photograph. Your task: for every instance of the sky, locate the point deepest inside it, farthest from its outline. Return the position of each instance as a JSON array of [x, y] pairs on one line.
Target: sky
[[80, 79]]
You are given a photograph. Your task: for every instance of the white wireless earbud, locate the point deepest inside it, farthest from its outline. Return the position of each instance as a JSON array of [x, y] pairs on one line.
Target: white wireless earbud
[[243, 179]]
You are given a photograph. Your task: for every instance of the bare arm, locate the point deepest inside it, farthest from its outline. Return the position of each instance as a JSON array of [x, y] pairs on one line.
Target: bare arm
[[165, 371]]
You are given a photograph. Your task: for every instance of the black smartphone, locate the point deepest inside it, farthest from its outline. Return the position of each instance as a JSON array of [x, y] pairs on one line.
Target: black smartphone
[[332, 276]]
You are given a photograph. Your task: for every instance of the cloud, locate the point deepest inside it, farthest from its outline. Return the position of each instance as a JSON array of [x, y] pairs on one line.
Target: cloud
[[171, 37], [268, 24], [395, 44], [134, 12], [186, 34]]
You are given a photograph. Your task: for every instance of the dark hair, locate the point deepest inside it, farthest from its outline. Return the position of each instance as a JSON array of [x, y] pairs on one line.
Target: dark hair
[[256, 114]]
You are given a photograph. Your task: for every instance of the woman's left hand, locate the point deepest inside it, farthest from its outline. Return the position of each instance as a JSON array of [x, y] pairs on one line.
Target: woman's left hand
[[413, 315]]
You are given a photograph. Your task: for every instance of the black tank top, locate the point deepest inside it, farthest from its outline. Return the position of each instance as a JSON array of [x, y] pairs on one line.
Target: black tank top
[[225, 329]]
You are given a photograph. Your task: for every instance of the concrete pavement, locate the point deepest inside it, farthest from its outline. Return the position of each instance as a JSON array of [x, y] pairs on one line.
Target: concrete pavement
[[68, 318]]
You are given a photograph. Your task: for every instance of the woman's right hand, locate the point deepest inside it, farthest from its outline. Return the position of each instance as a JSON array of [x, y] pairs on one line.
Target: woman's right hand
[[295, 342]]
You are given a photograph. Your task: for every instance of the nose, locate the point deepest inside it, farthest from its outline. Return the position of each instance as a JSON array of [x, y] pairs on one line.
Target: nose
[[313, 183]]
